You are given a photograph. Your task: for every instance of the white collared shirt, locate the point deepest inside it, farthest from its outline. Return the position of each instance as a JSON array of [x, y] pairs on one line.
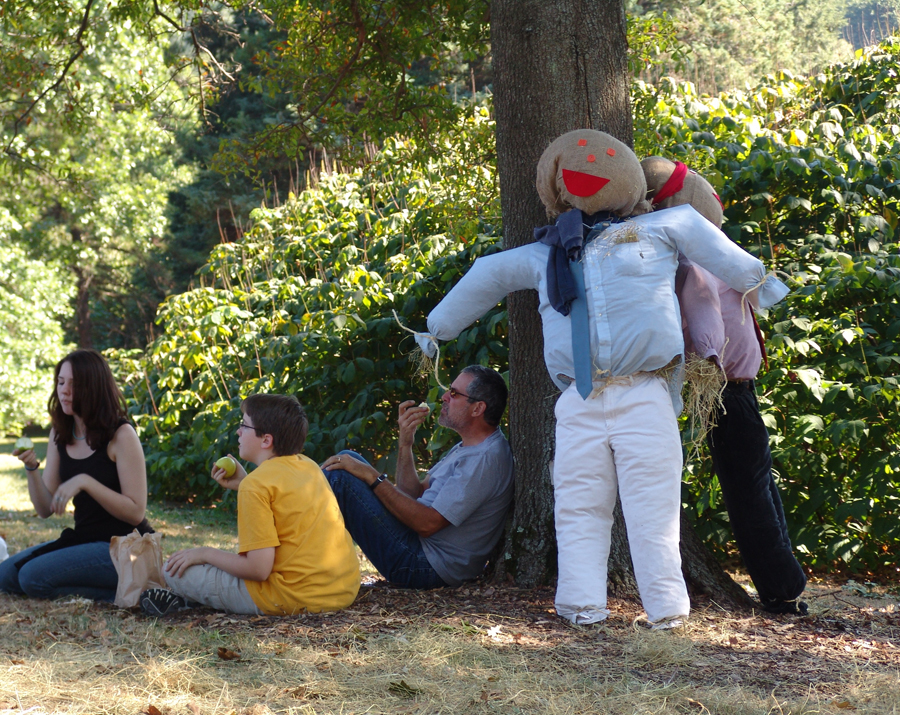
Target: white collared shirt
[[630, 286]]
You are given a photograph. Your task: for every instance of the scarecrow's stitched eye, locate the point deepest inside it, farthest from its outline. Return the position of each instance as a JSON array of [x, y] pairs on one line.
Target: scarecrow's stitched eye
[[611, 151], [591, 158], [582, 142]]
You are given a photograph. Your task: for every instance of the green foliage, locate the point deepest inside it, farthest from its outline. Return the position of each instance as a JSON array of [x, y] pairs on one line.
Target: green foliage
[[303, 305], [34, 296], [216, 206], [808, 171], [732, 42], [86, 174], [363, 71]]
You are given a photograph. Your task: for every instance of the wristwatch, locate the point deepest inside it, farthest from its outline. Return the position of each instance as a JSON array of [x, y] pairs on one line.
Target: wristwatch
[[382, 478]]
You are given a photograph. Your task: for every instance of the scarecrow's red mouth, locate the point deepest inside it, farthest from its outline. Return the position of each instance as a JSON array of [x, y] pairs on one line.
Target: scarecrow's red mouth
[[581, 184]]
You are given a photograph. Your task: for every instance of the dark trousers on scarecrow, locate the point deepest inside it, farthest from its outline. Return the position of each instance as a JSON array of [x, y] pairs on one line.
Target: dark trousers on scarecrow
[[743, 463]]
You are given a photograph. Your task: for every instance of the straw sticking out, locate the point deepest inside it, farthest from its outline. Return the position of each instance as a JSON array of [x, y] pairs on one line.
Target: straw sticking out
[[703, 387], [424, 365]]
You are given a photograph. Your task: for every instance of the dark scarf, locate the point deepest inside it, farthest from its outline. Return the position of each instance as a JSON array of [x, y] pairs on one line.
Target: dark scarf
[[566, 239]]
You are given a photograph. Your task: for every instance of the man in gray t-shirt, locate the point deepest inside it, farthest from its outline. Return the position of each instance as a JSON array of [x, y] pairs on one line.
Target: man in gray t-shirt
[[438, 531]]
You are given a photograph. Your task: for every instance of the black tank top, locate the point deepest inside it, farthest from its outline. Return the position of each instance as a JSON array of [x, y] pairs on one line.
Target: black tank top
[[91, 519]]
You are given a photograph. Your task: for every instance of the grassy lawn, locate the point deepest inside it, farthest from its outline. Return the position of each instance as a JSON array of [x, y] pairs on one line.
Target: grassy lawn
[[479, 649]]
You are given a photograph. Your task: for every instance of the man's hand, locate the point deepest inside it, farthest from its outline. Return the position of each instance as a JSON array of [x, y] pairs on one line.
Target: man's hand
[[358, 469], [224, 480], [181, 561], [411, 418]]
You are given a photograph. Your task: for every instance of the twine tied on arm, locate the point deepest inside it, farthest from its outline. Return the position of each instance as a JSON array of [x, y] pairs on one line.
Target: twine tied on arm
[[424, 364], [744, 299]]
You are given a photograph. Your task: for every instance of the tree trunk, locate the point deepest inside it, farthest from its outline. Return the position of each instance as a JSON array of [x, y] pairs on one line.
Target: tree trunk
[[83, 323], [84, 276], [558, 65], [704, 575]]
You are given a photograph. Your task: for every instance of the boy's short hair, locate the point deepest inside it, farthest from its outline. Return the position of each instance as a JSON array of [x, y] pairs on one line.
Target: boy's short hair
[[281, 416]]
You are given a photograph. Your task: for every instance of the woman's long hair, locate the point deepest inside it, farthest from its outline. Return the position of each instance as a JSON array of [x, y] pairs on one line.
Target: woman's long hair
[[96, 399]]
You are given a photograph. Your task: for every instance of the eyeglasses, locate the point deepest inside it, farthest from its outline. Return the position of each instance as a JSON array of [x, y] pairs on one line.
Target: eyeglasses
[[456, 393], [255, 429]]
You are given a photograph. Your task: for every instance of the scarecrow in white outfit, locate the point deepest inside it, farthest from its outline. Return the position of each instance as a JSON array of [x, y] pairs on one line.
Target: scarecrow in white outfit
[[613, 346]]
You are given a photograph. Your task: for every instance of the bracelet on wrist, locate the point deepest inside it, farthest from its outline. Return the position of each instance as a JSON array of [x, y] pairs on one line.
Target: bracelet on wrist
[[382, 478], [34, 468]]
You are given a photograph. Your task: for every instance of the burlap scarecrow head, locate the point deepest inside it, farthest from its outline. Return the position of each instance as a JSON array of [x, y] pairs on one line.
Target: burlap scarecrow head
[[671, 183], [592, 171]]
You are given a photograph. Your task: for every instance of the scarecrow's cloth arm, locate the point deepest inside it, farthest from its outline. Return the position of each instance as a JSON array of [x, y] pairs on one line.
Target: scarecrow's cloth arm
[[701, 310], [707, 246], [486, 284]]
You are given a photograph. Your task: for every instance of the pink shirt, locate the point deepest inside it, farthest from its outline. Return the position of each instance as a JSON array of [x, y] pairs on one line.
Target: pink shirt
[[711, 321]]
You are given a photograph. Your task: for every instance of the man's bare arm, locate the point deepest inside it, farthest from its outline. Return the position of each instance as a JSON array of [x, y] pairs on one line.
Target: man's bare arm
[[407, 477], [422, 519]]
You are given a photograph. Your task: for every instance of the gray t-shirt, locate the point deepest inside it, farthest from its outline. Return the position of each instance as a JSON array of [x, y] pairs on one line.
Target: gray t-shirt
[[472, 488]]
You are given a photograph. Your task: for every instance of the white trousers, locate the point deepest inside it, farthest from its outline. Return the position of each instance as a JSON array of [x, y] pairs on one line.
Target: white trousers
[[625, 437]]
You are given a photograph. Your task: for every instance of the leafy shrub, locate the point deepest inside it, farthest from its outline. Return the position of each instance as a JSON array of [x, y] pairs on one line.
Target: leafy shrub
[[303, 305], [808, 171]]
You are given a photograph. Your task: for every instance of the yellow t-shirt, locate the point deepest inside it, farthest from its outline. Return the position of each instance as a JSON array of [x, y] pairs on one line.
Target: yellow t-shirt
[[287, 503]]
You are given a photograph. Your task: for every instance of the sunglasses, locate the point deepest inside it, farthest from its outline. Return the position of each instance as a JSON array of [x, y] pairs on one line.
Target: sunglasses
[[456, 393]]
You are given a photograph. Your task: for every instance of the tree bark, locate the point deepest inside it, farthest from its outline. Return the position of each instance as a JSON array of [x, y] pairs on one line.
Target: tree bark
[[83, 323], [559, 65], [704, 575]]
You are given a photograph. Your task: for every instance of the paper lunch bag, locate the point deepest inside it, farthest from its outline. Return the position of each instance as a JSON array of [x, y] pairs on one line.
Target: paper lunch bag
[[138, 561]]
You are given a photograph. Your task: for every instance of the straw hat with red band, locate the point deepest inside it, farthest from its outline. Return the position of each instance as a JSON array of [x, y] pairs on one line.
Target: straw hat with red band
[[671, 183]]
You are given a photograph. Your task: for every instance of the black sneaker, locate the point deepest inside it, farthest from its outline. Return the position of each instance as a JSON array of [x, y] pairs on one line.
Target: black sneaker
[[793, 607], [158, 602]]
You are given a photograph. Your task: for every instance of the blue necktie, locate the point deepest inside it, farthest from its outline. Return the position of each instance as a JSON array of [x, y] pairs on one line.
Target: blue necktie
[[581, 334]]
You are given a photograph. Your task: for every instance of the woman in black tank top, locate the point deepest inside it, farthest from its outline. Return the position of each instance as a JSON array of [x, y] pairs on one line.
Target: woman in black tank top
[[94, 460]]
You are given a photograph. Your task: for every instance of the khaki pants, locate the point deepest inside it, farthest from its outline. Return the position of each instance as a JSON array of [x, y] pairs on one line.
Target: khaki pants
[[215, 588]]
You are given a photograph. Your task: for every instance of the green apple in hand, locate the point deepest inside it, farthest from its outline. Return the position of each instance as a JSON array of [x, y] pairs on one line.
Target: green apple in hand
[[22, 444], [228, 464]]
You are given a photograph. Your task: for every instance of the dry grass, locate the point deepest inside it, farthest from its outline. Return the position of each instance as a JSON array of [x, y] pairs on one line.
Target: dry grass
[[479, 649]]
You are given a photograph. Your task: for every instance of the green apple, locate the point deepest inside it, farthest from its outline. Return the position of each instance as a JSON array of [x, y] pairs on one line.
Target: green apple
[[228, 464], [23, 443]]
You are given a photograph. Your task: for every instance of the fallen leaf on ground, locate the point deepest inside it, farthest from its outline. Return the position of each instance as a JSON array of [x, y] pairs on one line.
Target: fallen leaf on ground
[[226, 654]]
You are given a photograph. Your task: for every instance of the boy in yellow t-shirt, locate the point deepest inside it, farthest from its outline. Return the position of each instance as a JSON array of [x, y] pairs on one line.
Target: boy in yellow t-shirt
[[294, 554]]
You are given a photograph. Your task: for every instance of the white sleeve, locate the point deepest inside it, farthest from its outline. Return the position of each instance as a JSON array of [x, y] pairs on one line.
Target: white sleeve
[[488, 281], [707, 246]]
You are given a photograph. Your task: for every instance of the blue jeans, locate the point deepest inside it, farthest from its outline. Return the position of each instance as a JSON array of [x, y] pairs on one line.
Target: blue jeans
[[741, 457], [392, 547], [83, 570]]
